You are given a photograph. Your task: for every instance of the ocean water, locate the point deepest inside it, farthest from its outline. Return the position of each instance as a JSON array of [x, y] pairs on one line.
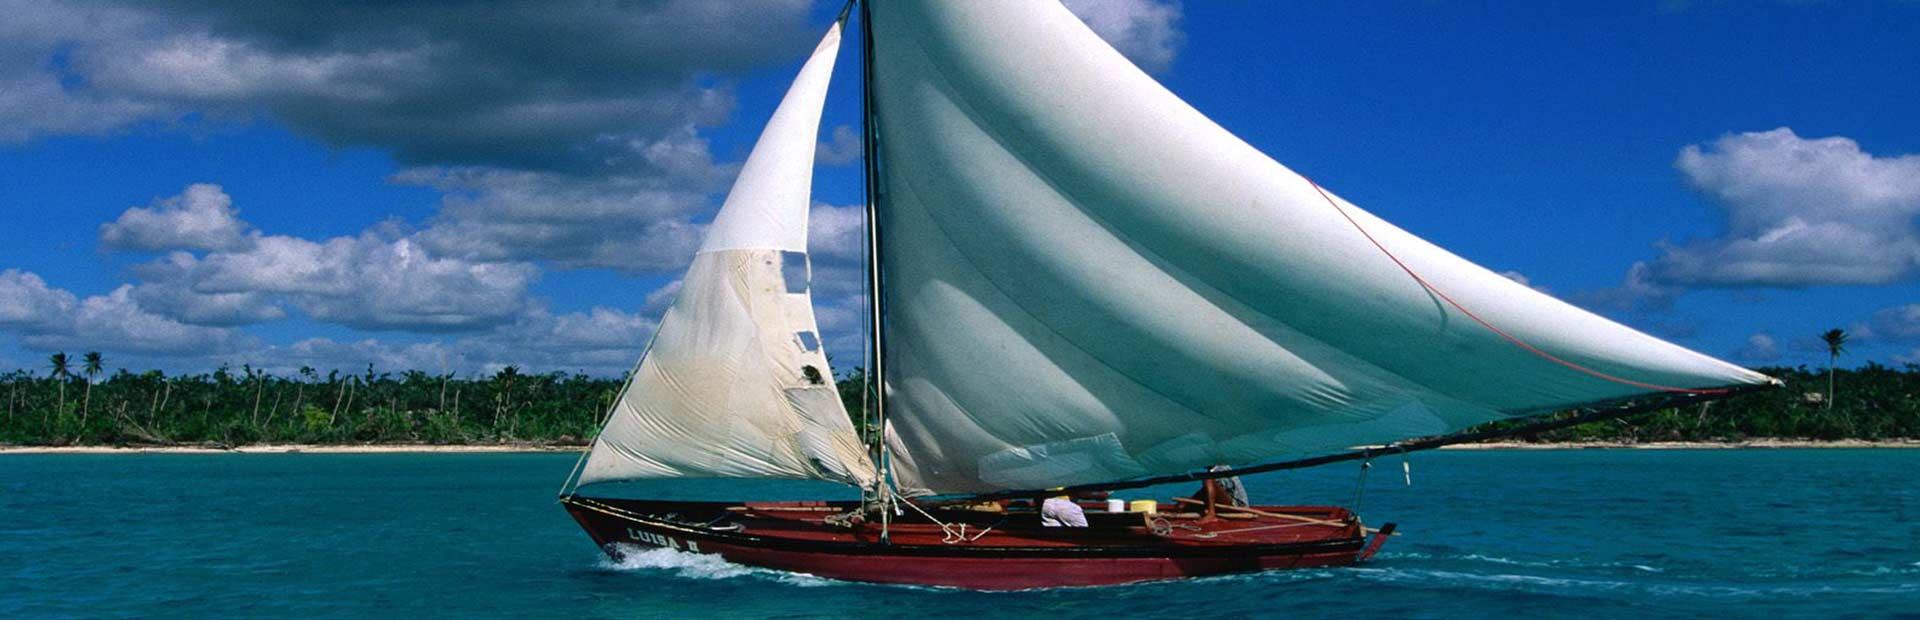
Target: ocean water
[[1591, 534]]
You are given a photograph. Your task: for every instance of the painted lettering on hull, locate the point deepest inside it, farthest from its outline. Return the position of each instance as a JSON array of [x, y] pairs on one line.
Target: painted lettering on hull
[[660, 540]]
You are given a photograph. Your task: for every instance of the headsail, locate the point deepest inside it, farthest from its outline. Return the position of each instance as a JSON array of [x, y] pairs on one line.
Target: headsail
[[735, 383], [1085, 279]]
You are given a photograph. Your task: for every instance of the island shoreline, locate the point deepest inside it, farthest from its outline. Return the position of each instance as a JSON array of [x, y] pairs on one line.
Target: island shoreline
[[404, 448]]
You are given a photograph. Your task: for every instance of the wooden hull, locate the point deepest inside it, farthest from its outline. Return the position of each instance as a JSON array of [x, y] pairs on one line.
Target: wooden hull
[[1003, 550]]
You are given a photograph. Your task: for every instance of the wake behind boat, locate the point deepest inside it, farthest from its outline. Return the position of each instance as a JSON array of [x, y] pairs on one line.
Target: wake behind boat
[[1077, 283]]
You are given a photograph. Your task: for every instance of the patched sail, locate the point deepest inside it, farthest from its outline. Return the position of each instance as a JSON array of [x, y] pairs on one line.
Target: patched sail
[[735, 383], [1085, 279]]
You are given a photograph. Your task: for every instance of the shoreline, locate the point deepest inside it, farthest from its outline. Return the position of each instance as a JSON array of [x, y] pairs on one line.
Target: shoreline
[[402, 448], [373, 448], [1747, 444]]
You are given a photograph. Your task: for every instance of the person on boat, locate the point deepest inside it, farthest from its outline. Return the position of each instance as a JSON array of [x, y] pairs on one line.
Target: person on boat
[[1229, 490], [1061, 511]]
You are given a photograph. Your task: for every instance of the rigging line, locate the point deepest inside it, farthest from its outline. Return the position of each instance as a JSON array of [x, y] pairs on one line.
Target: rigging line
[[1483, 322], [607, 418], [1542, 423], [1360, 486]]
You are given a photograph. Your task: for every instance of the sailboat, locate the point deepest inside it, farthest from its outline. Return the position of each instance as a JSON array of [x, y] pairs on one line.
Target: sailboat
[[1077, 284]]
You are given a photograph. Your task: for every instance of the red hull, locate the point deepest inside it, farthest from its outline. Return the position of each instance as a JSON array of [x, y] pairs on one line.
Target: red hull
[[1003, 551]]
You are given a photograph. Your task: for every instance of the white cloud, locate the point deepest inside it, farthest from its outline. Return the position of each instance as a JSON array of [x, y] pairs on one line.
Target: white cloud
[[27, 301], [836, 233], [116, 322], [561, 131], [546, 85], [1146, 31], [174, 299], [381, 279], [633, 224], [1524, 281], [842, 148], [371, 281], [49, 318], [39, 92], [354, 356], [201, 217], [1637, 291], [601, 341], [1899, 323], [1799, 212], [1759, 348], [658, 300]]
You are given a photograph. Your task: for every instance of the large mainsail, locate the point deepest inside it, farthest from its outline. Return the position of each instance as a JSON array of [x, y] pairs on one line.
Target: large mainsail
[[735, 383], [1085, 279]]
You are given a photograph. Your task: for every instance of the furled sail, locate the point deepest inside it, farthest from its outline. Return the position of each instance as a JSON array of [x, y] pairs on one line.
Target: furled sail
[[1085, 280], [735, 383]]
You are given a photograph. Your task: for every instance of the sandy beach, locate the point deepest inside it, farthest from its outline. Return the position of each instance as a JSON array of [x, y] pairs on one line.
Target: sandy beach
[[530, 447]]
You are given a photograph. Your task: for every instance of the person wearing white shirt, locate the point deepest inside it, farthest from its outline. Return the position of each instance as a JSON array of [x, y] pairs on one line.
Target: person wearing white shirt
[[1062, 512]]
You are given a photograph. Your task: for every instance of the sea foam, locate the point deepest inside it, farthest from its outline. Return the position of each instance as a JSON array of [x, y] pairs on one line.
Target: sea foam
[[702, 566]]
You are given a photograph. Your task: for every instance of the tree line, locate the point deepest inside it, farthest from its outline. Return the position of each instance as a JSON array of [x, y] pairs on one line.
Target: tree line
[[66, 405], [75, 402]]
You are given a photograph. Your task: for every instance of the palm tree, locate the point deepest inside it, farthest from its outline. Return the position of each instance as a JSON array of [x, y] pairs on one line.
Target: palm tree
[[61, 371], [1836, 340], [503, 393], [90, 365]]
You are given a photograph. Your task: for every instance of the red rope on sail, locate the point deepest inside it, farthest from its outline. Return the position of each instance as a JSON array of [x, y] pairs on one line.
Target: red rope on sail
[[1483, 322]]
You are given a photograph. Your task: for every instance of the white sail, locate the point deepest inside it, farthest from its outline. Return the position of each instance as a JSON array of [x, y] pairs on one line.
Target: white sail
[[735, 383], [1085, 279]]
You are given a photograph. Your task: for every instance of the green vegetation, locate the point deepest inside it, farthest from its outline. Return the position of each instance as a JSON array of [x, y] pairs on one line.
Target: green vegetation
[[226, 407]]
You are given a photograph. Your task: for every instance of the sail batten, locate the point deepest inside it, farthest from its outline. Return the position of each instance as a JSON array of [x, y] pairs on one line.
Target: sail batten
[[736, 383], [1088, 280]]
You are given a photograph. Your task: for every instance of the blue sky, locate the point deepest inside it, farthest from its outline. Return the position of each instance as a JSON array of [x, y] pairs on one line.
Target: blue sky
[[458, 188]]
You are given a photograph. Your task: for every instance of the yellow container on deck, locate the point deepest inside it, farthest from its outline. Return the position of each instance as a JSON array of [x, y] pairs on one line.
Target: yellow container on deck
[[1144, 505]]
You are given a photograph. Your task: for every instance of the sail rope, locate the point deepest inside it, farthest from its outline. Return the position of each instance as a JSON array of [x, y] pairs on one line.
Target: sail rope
[[949, 534], [1483, 322], [1360, 486]]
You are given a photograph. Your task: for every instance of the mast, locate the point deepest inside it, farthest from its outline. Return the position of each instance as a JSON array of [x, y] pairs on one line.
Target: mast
[[876, 376]]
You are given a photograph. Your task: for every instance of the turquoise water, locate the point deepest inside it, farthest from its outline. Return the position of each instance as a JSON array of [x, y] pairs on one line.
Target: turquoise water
[[1594, 534]]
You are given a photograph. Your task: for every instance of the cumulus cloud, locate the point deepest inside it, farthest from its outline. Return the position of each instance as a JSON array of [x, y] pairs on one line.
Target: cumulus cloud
[[601, 341], [1799, 212], [49, 318], [639, 225], [549, 84], [175, 297], [27, 301], [116, 322], [200, 218], [835, 232], [1637, 292], [658, 300], [40, 91], [1899, 323], [1759, 348], [1146, 31], [381, 279], [369, 281], [843, 147]]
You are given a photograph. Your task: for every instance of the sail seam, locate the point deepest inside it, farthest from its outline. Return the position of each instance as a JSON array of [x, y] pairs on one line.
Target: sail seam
[[1244, 312], [1483, 322]]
